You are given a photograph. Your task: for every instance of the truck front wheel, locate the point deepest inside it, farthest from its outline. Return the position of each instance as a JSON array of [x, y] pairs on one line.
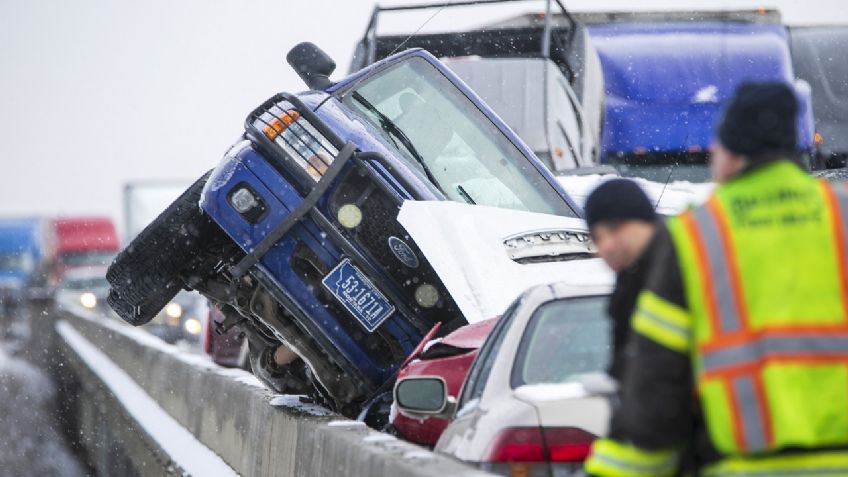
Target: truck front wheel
[[146, 275]]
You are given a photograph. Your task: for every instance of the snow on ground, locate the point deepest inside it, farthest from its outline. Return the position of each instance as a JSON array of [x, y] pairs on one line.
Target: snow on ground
[[32, 442]]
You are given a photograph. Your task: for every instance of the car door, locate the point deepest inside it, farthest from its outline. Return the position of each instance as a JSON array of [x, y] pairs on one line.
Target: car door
[[461, 429]]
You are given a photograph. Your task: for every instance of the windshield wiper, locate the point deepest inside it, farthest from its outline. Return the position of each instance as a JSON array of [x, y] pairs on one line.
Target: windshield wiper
[[393, 130], [465, 195]]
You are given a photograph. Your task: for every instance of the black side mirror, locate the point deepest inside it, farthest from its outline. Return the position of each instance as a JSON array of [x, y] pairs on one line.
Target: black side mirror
[[312, 65]]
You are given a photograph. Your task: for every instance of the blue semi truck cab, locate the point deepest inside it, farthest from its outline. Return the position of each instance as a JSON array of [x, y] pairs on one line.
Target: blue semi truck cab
[[22, 254], [296, 236], [668, 75]]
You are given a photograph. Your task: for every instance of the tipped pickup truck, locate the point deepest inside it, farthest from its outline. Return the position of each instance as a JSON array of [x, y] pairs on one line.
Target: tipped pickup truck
[[294, 234]]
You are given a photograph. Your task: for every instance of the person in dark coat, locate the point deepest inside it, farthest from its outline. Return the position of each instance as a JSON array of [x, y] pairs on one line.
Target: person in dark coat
[[623, 225]]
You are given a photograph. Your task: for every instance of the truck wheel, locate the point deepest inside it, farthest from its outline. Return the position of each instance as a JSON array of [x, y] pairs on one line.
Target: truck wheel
[[145, 276]]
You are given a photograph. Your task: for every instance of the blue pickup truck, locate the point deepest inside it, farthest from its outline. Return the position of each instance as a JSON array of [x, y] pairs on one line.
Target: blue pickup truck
[[668, 74], [294, 235]]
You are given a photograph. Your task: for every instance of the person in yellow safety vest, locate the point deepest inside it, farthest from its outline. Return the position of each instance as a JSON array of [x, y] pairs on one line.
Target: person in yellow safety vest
[[744, 319]]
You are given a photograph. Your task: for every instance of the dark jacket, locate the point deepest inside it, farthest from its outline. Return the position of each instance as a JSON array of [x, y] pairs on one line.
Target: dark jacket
[[622, 303], [665, 413]]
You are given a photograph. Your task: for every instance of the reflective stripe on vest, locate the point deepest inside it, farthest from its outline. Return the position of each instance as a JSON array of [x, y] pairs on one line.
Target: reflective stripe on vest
[[735, 354]]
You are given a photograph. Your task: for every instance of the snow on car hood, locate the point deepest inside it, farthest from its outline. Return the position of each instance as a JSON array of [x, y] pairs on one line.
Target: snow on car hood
[[673, 198], [465, 245]]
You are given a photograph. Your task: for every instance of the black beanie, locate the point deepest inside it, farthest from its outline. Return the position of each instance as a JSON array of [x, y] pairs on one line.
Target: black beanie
[[760, 117], [618, 199]]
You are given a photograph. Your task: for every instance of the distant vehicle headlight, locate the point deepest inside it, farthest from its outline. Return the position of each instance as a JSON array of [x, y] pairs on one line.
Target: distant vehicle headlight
[[426, 295], [174, 310], [88, 300], [350, 216], [193, 326]]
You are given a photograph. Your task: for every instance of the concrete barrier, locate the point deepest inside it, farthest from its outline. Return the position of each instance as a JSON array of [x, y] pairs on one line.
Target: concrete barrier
[[143, 407]]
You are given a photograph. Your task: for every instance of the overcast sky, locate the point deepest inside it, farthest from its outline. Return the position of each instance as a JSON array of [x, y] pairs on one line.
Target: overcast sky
[[95, 93]]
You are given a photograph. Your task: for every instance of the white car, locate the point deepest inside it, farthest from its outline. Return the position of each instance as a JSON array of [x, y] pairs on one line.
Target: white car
[[534, 399]]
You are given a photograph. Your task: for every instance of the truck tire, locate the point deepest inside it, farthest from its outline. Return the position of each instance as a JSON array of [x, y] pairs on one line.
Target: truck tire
[[145, 276]]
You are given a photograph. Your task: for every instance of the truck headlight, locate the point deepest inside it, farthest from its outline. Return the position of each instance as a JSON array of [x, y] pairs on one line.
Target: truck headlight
[[298, 139], [174, 310], [193, 326], [243, 200], [88, 300], [247, 202], [426, 295]]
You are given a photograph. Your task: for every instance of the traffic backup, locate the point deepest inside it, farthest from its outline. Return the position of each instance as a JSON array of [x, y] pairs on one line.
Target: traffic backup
[[295, 233]]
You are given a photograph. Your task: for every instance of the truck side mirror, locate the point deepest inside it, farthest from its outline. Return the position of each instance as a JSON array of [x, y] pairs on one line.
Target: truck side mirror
[[423, 396], [312, 65]]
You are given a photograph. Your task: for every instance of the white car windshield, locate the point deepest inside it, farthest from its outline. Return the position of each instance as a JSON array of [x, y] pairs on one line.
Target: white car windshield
[[564, 339], [442, 134]]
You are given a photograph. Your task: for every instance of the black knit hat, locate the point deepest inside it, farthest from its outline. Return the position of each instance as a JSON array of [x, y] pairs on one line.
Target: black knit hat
[[618, 199], [760, 117]]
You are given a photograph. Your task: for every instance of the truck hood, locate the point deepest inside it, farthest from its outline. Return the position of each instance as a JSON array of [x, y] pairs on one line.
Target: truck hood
[[465, 245]]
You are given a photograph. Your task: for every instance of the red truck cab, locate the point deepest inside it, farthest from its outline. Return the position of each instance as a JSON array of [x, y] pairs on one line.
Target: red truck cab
[[83, 242]]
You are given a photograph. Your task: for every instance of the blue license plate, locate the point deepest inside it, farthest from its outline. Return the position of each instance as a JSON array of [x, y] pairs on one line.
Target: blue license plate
[[361, 298]]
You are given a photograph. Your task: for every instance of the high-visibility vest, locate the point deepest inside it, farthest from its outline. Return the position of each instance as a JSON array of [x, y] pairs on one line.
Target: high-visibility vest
[[764, 265]]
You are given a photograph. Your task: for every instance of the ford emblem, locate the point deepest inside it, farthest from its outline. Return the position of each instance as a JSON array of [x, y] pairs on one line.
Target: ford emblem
[[403, 252]]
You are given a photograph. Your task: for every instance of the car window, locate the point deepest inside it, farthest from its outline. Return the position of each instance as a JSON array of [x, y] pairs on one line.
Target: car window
[[479, 373], [468, 158], [564, 338]]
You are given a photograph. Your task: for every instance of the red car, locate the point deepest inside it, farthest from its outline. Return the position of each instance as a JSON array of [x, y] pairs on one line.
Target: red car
[[450, 358]]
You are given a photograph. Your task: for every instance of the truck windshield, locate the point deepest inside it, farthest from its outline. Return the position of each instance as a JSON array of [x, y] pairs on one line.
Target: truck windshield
[[440, 132], [17, 261], [79, 259]]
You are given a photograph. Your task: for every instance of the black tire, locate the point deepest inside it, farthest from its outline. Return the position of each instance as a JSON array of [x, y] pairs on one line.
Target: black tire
[[145, 276]]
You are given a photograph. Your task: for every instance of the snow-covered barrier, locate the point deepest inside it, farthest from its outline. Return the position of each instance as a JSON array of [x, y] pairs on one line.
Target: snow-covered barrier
[[143, 407]]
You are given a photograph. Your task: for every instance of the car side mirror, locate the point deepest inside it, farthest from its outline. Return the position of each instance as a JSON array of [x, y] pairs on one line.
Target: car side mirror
[[423, 396], [312, 65]]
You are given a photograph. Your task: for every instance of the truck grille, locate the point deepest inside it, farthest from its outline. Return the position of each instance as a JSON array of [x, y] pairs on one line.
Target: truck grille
[[311, 270], [379, 223]]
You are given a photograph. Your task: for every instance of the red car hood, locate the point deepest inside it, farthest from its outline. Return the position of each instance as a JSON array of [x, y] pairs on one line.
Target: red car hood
[[470, 336]]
